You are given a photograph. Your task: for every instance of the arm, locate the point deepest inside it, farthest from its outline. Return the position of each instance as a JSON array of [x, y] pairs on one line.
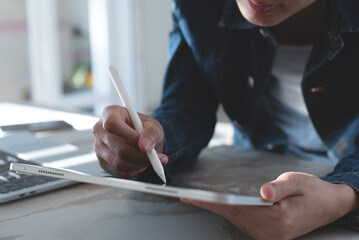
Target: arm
[[346, 173], [188, 107], [185, 120]]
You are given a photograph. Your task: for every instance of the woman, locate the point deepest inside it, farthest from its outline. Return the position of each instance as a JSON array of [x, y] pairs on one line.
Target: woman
[[285, 73]]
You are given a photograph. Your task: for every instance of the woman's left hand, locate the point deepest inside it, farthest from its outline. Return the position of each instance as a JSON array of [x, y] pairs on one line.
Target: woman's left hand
[[303, 202]]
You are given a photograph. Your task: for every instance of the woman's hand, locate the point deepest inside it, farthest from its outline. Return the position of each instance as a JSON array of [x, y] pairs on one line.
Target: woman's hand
[[119, 148], [303, 203]]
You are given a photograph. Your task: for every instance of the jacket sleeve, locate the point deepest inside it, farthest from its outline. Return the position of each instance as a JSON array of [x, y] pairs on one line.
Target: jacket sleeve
[[344, 146], [188, 107], [346, 171]]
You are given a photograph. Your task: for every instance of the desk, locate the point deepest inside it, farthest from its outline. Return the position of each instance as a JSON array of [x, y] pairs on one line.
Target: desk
[[94, 212]]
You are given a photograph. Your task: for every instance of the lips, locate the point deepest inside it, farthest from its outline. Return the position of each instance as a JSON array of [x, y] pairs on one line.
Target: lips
[[260, 8]]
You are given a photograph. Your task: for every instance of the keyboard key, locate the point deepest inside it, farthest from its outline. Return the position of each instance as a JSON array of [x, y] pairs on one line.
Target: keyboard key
[[50, 179], [11, 186], [37, 180], [24, 183], [4, 190]]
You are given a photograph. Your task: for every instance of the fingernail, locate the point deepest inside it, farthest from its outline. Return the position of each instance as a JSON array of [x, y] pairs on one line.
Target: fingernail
[[268, 192], [147, 144], [163, 159]]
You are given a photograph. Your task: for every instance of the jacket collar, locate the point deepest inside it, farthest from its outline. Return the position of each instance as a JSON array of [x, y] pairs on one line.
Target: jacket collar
[[232, 18], [343, 14]]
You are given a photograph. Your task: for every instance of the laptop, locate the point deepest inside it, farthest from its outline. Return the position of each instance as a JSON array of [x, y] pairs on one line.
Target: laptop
[[25, 147]]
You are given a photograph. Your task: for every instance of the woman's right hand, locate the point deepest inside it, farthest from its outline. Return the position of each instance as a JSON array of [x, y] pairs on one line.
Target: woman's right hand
[[120, 149]]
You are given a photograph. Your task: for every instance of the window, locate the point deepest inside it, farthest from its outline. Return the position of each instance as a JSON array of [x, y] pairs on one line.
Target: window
[[72, 43]]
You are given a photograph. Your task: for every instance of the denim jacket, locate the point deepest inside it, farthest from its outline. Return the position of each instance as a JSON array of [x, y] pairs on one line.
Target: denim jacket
[[217, 57]]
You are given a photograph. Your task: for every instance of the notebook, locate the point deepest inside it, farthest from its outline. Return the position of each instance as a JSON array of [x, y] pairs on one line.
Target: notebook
[[30, 149]]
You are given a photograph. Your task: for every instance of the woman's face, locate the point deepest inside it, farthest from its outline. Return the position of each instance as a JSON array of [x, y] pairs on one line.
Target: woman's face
[[270, 12]]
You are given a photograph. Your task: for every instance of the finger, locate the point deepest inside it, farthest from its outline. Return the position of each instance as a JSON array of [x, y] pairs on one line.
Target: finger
[[133, 159], [112, 141], [128, 153], [130, 174], [124, 151], [106, 142], [123, 171], [287, 184], [116, 120], [121, 165], [152, 133], [101, 153], [118, 112], [104, 165], [163, 158], [121, 168], [130, 160]]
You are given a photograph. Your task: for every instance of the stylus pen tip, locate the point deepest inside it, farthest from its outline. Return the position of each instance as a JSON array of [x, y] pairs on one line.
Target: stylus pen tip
[[163, 178]]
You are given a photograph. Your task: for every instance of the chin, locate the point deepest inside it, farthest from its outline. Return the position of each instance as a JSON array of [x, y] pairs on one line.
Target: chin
[[263, 20]]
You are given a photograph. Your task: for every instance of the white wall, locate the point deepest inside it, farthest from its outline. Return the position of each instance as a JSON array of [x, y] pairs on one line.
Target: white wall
[[154, 23], [132, 35], [14, 70]]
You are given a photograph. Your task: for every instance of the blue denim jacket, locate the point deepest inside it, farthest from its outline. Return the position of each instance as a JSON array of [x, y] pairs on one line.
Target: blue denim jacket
[[217, 57]]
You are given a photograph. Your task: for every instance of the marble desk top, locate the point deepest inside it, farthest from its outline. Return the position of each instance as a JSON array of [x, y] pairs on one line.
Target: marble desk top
[[88, 211]]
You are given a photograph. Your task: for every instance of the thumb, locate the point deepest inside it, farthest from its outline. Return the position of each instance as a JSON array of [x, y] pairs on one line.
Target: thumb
[[287, 184], [150, 136]]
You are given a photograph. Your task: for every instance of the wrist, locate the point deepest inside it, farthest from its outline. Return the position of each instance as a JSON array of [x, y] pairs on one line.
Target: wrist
[[348, 199]]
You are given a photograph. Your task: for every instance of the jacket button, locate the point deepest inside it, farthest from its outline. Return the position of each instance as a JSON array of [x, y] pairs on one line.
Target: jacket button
[[264, 32], [251, 82], [317, 89]]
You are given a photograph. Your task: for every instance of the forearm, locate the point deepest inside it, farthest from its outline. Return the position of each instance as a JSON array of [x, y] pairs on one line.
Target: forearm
[[188, 107], [184, 137]]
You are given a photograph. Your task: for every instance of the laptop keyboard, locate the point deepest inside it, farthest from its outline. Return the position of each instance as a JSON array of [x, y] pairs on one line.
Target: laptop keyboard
[[11, 181]]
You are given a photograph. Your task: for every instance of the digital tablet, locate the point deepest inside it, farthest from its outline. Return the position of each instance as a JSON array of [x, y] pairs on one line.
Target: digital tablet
[[170, 191]]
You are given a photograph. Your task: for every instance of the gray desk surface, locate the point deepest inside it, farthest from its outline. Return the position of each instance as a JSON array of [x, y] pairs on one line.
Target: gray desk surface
[[94, 212]]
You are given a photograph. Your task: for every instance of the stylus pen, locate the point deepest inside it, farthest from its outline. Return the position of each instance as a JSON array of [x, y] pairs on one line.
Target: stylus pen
[[152, 155]]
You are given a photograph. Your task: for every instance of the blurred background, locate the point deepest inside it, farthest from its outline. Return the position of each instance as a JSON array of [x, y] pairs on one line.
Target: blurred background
[[56, 52]]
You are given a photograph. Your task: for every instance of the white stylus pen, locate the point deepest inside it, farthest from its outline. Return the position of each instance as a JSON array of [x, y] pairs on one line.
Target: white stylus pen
[[152, 155]]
